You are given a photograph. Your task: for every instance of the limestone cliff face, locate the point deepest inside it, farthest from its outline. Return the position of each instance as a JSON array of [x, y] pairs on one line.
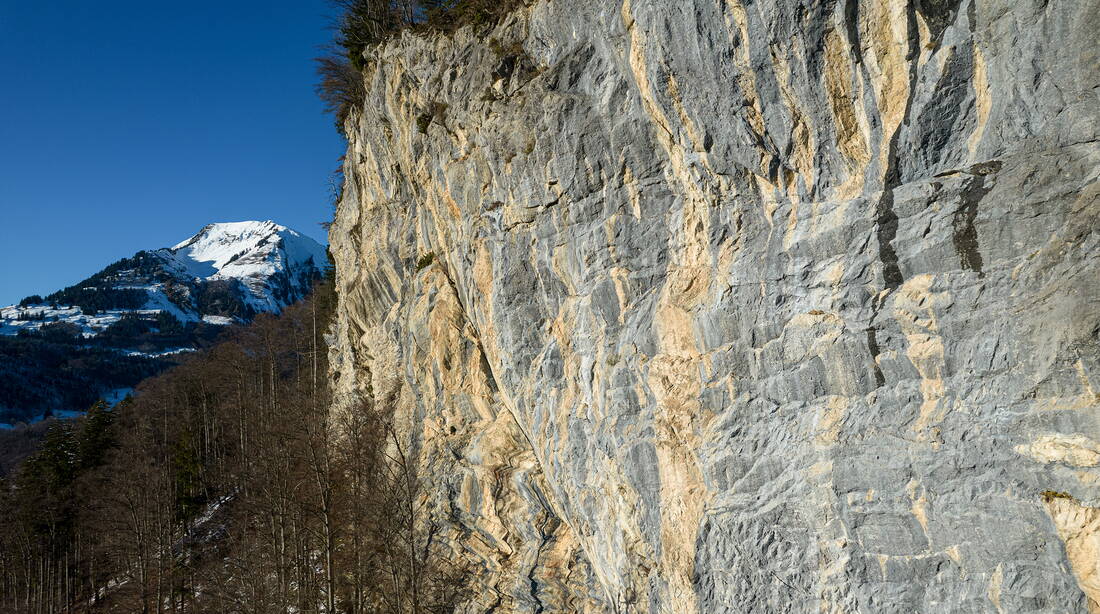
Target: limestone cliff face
[[741, 306]]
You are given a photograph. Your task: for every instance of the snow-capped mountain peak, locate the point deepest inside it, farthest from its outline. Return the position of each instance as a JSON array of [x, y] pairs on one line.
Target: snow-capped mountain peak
[[227, 271], [211, 242], [252, 252], [266, 258]]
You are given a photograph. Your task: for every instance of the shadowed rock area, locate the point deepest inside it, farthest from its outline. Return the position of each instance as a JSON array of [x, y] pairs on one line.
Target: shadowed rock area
[[726, 306]]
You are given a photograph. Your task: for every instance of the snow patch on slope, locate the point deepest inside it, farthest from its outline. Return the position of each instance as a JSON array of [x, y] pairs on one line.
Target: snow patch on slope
[[89, 325]]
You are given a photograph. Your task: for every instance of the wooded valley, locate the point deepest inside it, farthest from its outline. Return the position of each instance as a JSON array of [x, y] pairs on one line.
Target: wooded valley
[[225, 485]]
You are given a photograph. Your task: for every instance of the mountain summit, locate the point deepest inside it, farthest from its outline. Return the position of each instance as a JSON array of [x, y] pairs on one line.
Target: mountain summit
[[274, 263], [128, 321], [226, 272]]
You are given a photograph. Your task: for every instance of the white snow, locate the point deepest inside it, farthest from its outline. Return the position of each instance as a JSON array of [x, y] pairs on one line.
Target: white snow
[[89, 325], [217, 320], [211, 509], [158, 301], [161, 354], [251, 252]]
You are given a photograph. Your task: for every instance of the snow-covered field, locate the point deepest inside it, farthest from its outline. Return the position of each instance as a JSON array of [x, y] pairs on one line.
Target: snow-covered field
[[168, 352], [11, 324]]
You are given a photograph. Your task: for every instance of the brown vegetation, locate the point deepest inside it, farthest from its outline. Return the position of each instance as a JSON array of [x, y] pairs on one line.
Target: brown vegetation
[[362, 24], [226, 486]]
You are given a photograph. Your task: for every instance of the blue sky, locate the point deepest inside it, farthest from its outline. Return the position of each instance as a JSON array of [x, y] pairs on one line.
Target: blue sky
[[129, 125]]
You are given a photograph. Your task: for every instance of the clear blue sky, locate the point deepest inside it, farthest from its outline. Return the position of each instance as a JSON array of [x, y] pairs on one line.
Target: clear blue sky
[[129, 125]]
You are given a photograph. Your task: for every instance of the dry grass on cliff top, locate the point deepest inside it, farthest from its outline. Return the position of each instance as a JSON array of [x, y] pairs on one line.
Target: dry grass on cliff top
[[363, 24]]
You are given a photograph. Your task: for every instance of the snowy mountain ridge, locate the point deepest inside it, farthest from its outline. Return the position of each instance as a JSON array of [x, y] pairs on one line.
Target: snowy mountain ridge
[[226, 272]]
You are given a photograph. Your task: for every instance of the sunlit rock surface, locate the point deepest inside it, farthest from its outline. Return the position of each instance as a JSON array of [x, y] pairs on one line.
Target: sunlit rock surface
[[726, 306]]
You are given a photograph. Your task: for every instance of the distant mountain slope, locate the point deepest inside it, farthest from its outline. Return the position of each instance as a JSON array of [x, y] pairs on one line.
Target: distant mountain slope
[[226, 272], [65, 350]]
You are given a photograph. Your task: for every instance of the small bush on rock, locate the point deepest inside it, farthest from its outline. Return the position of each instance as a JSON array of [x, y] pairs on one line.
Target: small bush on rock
[[362, 24]]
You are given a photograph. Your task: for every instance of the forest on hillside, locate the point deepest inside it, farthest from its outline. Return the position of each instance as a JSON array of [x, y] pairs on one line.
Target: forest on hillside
[[225, 485], [56, 367]]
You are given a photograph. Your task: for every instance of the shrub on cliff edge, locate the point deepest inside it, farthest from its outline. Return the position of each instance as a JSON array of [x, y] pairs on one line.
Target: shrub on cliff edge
[[362, 24]]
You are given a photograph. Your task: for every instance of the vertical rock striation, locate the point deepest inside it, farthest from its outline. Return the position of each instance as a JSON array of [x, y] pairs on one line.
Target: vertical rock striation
[[732, 306]]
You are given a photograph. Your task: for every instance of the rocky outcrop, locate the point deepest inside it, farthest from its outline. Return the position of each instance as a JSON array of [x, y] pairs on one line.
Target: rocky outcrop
[[729, 306]]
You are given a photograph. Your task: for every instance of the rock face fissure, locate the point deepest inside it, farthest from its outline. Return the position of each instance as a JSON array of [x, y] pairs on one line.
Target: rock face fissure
[[727, 306]]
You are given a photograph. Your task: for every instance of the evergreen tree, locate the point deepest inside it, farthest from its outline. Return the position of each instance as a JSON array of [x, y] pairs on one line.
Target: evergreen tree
[[54, 466], [186, 469], [168, 324], [96, 437]]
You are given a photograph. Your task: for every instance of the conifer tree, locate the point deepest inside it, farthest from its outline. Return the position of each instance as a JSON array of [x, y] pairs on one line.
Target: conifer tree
[[96, 436]]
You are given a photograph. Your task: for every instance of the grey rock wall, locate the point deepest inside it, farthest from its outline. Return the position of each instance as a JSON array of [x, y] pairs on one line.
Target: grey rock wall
[[728, 306]]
